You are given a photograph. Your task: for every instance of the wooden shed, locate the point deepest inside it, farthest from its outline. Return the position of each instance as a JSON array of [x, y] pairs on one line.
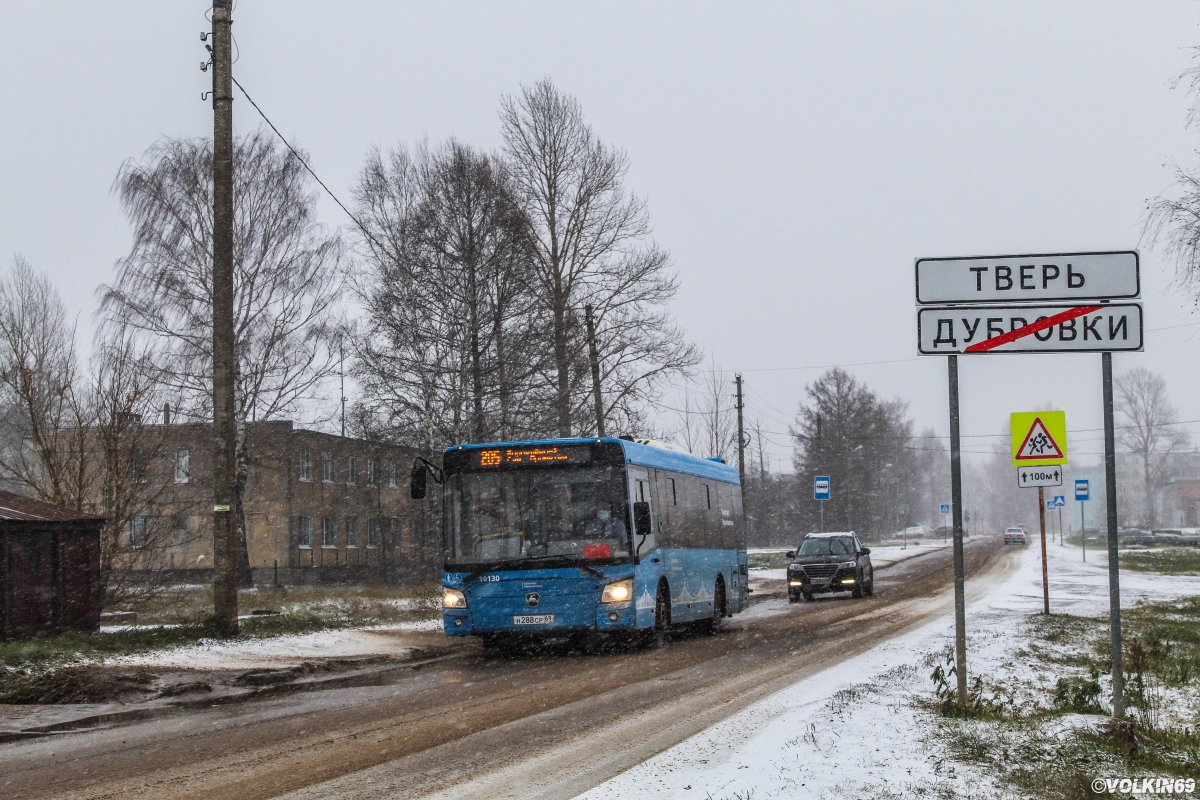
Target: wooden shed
[[49, 569]]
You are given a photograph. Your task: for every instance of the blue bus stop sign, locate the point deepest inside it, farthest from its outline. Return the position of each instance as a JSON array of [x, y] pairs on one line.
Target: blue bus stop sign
[[1081, 490], [820, 487]]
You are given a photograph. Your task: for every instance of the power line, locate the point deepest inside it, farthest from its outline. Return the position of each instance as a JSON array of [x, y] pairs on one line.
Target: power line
[[312, 172]]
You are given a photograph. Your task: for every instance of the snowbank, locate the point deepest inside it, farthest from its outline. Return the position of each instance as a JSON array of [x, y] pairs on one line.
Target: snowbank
[[856, 729]]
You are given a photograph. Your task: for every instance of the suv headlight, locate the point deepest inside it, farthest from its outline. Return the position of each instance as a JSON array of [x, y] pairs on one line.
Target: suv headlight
[[453, 598], [847, 565], [618, 592]]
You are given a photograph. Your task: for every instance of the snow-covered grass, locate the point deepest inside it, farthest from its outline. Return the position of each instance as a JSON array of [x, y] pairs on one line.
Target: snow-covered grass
[[873, 726]]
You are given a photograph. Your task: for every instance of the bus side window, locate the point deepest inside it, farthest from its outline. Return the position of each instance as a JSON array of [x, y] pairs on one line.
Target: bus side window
[[728, 520], [662, 508]]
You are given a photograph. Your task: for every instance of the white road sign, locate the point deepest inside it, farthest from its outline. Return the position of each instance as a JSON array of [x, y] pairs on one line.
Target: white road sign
[[1030, 329], [1032, 278], [1033, 477]]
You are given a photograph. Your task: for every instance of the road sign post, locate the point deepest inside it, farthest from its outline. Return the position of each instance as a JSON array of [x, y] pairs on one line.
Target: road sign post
[[1039, 439], [960, 586], [1082, 494], [1114, 577], [1041, 303]]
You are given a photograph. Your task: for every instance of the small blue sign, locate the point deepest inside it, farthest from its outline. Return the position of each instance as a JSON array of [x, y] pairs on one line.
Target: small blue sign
[[945, 508], [821, 487], [1059, 501], [1081, 490]]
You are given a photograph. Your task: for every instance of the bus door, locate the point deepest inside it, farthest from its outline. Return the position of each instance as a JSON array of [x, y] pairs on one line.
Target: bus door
[[639, 492]]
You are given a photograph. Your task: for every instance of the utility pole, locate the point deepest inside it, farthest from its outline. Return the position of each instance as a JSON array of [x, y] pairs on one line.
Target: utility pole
[[225, 549], [594, 357], [342, 381], [741, 435]]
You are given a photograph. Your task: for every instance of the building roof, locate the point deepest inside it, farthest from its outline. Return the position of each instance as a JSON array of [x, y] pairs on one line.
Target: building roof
[[25, 509]]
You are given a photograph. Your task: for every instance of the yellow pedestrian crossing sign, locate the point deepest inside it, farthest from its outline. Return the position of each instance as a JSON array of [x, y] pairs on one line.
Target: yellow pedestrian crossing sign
[[1039, 438]]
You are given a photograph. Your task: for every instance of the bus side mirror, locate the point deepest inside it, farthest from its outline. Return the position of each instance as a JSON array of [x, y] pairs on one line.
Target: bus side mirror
[[416, 481], [641, 518]]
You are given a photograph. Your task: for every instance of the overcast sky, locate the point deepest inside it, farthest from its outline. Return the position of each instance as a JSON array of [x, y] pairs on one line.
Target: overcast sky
[[797, 157]]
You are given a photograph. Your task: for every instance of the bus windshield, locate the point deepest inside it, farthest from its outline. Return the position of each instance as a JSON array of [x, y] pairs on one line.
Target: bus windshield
[[552, 515]]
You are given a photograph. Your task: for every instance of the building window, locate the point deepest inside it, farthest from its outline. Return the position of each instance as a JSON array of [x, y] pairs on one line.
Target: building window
[[328, 468], [306, 465], [351, 471], [179, 529], [372, 472], [137, 531], [392, 474], [373, 533], [182, 466], [351, 531], [304, 532], [141, 464], [329, 532]]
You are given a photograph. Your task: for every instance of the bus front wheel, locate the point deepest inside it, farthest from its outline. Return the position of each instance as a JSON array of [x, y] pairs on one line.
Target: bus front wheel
[[662, 618]]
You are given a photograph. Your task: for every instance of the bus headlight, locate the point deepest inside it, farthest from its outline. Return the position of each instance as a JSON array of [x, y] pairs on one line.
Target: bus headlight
[[617, 591], [453, 598]]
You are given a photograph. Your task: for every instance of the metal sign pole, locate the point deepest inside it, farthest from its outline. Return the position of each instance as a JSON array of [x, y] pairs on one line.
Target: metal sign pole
[[1045, 571], [1082, 531], [1114, 577], [960, 597]]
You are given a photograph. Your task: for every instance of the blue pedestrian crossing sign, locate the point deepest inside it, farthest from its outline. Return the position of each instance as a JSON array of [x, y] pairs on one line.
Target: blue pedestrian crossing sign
[[1058, 501], [1081, 490], [821, 487], [944, 508]]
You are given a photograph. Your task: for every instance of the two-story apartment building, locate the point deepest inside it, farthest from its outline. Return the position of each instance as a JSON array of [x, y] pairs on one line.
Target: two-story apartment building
[[319, 508]]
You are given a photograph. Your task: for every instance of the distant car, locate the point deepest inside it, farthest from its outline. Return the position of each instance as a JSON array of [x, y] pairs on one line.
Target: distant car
[[830, 562], [1014, 536]]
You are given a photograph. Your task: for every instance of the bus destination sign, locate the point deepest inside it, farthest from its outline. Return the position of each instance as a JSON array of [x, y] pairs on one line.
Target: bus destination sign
[[534, 456]]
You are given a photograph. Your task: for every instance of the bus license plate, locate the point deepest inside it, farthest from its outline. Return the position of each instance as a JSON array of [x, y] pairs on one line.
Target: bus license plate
[[534, 619]]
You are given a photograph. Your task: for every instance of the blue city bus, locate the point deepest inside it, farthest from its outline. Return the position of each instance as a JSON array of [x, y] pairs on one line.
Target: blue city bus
[[588, 536]]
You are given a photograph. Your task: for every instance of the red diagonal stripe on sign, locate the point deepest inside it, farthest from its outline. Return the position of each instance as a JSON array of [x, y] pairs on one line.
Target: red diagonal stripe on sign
[[1033, 327]]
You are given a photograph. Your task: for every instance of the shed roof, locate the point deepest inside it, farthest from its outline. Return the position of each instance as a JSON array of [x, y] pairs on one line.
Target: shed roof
[[25, 509]]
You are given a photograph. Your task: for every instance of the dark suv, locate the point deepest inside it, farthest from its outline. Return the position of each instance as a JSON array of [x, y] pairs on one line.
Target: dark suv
[[830, 562]]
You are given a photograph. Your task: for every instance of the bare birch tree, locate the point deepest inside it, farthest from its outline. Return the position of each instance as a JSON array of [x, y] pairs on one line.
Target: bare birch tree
[[591, 245], [76, 439], [1172, 219], [42, 430], [122, 453], [1148, 431], [453, 349], [288, 279]]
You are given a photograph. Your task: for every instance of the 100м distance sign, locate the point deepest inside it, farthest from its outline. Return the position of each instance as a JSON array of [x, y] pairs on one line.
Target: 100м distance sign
[[1093, 328]]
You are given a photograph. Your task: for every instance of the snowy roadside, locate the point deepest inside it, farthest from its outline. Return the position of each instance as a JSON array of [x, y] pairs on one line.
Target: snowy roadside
[[865, 727], [286, 650]]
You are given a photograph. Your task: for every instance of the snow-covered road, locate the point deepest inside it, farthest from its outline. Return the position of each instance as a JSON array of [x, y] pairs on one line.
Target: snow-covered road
[[854, 730]]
